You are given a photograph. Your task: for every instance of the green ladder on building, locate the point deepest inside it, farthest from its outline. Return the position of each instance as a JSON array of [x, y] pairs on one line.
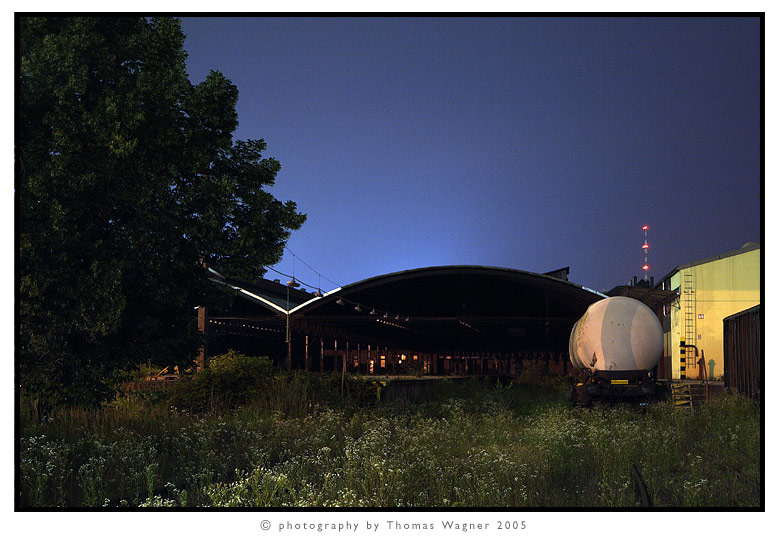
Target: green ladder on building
[[689, 320]]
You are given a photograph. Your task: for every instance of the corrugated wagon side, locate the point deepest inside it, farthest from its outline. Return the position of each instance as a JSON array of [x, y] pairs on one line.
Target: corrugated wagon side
[[742, 353]]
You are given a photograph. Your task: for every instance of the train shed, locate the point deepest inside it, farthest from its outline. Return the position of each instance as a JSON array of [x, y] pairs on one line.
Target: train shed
[[435, 320]]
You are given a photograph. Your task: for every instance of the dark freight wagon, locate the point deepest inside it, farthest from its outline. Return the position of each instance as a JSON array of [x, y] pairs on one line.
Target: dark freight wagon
[[742, 353]]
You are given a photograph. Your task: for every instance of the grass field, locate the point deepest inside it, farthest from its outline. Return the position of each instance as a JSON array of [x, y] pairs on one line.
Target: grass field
[[480, 444]]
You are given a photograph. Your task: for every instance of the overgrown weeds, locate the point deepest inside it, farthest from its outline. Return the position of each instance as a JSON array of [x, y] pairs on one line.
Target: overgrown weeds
[[479, 443]]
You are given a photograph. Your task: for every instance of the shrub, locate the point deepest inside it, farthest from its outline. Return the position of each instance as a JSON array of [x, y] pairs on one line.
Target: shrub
[[231, 379]]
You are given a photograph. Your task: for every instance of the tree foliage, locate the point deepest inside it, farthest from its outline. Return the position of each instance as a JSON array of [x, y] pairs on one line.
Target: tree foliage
[[129, 185]]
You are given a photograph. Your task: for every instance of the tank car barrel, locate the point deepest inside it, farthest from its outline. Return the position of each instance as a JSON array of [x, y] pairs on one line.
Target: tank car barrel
[[613, 348], [616, 334]]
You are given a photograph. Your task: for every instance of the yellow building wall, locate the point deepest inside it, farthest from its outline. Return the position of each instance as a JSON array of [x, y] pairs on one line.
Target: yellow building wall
[[722, 287]]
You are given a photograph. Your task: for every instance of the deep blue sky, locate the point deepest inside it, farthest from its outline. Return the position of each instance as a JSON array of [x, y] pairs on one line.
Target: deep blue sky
[[523, 143]]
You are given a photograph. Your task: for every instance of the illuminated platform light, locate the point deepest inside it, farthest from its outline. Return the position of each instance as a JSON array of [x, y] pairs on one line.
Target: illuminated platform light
[[644, 228], [645, 267], [645, 246]]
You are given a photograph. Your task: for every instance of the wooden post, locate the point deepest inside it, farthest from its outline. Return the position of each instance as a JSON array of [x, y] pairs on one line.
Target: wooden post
[[288, 361], [203, 324], [306, 356], [335, 355], [344, 368], [322, 355]]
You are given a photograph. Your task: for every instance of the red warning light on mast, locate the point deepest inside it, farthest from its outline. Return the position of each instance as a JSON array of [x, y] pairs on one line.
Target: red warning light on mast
[[645, 246]]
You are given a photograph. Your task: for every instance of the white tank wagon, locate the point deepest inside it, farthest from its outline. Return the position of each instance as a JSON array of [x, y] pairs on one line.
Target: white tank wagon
[[614, 348]]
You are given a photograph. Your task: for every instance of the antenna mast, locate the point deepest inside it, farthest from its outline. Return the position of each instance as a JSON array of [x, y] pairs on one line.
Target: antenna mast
[[645, 246]]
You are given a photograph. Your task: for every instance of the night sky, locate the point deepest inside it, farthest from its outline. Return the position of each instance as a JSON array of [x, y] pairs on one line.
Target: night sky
[[527, 143]]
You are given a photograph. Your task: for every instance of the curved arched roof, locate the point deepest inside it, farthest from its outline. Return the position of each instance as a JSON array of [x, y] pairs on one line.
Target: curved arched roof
[[463, 306], [424, 291]]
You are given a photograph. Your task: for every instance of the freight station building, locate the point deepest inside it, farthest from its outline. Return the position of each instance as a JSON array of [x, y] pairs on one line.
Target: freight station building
[[694, 303], [706, 292], [435, 321]]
